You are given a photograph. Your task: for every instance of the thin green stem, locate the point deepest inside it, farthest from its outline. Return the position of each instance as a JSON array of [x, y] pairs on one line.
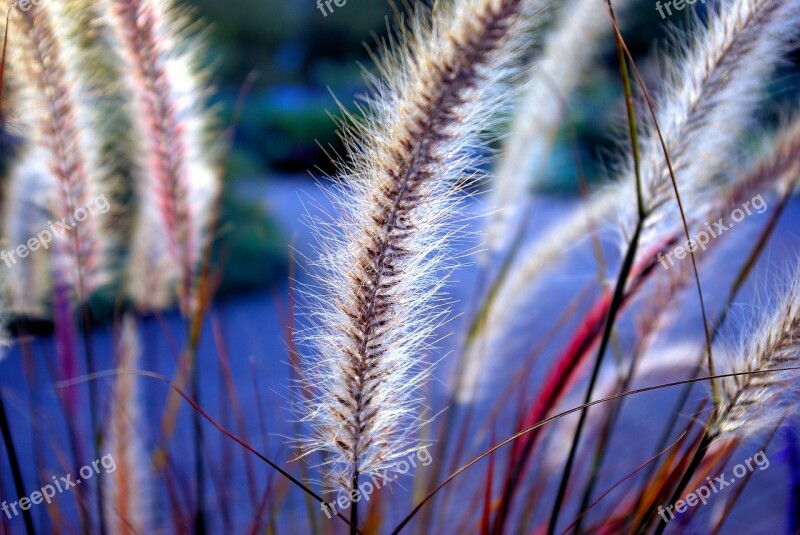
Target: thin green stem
[[622, 279], [616, 301]]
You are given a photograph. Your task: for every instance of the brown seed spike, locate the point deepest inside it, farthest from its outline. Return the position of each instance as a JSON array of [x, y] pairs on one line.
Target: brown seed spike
[[408, 154]]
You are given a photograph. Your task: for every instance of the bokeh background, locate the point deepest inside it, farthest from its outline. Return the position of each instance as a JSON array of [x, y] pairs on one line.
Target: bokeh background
[[293, 63]]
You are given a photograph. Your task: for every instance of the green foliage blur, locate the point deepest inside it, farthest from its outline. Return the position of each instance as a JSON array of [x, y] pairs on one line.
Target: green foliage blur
[[300, 62], [305, 60]]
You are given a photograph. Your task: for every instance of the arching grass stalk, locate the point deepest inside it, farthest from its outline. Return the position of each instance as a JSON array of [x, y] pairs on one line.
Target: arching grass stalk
[[403, 523], [780, 165], [622, 277]]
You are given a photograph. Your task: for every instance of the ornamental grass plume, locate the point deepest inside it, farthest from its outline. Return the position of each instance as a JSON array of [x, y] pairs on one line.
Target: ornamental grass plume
[[100, 85], [58, 120], [376, 305], [713, 86], [126, 488], [710, 92], [176, 178], [568, 51], [754, 402]]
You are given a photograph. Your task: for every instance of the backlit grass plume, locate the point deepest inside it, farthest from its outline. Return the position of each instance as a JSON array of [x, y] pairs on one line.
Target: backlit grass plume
[[442, 80], [59, 127], [126, 491], [712, 89], [568, 51], [176, 178], [710, 93], [101, 86]]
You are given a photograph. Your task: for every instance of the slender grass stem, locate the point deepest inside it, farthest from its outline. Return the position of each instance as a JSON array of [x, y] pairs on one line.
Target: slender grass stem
[[622, 278], [34, 401], [694, 464], [619, 293], [197, 441], [706, 332], [13, 461], [94, 399], [354, 507]]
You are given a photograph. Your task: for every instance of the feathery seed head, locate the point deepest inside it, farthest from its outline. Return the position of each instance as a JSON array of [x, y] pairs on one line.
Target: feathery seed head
[[176, 177], [60, 127], [376, 306], [712, 88], [754, 402]]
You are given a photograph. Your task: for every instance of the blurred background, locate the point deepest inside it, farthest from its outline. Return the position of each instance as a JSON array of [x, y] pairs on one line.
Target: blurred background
[[298, 62]]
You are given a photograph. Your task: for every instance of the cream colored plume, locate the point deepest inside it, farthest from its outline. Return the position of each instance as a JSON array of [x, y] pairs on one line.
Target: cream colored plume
[[375, 306], [569, 49], [176, 178], [126, 489]]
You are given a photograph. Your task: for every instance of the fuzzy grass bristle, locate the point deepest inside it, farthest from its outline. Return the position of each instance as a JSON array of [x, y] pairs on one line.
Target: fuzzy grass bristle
[[59, 124], [556, 73], [177, 180], [754, 402], [382, 268]]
